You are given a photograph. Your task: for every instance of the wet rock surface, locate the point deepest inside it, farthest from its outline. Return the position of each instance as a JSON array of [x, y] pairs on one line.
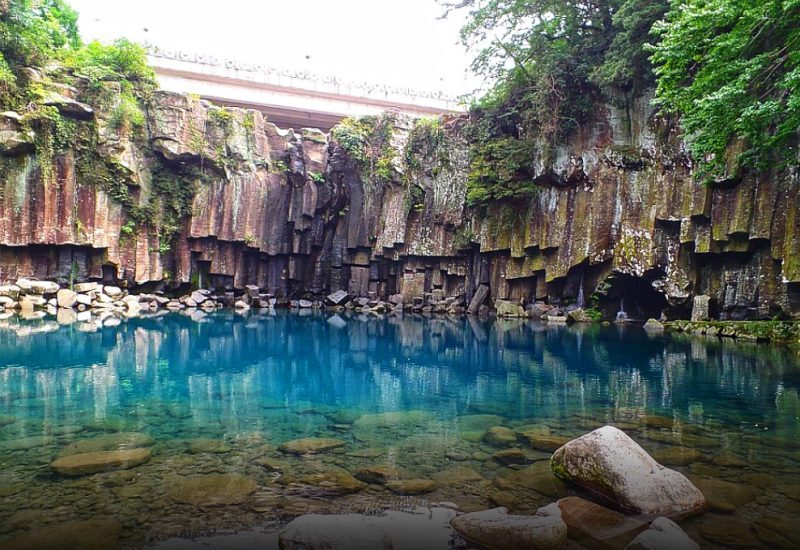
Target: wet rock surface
[[611, 463], [496, 529]]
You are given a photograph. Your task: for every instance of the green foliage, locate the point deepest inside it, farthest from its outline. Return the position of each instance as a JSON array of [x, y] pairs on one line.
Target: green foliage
[[316, 177], [54, 135], [463, 238], [128, 229], [121, 61], [731, 69], [32, 32], [554, 56], [594, 314], [424, 140], [367, 141], [551, 62]]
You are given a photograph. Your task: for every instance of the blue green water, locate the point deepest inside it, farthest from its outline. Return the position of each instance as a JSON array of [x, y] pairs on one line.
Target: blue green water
[[219, 394]]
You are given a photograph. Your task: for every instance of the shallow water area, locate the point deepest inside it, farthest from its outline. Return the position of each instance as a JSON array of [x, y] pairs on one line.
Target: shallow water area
[[184, 425]]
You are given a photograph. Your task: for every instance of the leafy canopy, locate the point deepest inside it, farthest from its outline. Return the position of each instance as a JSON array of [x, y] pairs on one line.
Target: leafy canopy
[[731, 70], [31, 33], [548, 64], [34, 33]]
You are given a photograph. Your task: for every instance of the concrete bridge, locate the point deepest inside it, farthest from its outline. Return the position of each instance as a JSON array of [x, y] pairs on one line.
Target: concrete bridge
[[291, 99]]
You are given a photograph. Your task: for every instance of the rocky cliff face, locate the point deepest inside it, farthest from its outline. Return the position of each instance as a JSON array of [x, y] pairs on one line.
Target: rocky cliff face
[[220, 197]]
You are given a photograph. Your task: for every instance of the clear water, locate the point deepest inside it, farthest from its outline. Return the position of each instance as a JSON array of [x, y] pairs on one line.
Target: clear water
[[219, 394]]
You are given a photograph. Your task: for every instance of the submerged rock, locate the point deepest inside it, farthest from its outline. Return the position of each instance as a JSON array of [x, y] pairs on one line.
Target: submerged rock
[[500, 436], [311, 445], [334, 480], [394, 530], [496, 529], [663, 534], [724, 496], [612, 464], [101, 461], [457, 476], [92, 534], [411, 486], [109, 442], [203, 445], [212, 490], [677, 456], [596, 526]]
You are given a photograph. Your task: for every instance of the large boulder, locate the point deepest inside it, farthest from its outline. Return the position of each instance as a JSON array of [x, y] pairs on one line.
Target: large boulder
[[663, 534], [608, 462], [496, 529]]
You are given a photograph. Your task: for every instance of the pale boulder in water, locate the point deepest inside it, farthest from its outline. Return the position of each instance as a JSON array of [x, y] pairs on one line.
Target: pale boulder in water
[[610, 463]]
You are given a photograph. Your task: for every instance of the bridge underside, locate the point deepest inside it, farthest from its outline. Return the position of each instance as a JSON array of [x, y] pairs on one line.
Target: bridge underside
[[287, 101], [285, 117]]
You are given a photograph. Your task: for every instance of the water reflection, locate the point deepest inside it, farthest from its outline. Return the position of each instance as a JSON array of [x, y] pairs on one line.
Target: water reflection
[[228, 365]]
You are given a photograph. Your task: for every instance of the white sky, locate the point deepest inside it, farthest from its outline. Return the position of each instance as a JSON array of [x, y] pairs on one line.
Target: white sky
[[396, 42]]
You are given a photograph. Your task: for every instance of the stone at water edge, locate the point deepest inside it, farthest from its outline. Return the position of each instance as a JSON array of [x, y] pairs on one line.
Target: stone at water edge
[[480, 296], [701, 307], [85, 287], [496, 529], [66, 298], [652, 325], [612, 464], [506, 308], [663, 534], [338, 298]]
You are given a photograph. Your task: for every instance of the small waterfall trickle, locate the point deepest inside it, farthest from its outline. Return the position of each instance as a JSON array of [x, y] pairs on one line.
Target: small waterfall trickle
[[621, 315], [581, 302]]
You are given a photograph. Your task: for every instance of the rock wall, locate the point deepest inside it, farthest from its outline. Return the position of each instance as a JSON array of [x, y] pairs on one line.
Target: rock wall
[[618, 220]]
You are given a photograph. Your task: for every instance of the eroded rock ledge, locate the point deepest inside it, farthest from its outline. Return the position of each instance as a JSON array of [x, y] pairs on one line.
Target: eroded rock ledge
[[231, 200]]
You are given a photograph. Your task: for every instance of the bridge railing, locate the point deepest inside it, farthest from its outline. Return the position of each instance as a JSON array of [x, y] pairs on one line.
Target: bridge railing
[[210, 64]]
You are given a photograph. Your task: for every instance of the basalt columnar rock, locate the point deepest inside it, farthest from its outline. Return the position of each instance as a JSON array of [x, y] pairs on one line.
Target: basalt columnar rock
[[225, 199]]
